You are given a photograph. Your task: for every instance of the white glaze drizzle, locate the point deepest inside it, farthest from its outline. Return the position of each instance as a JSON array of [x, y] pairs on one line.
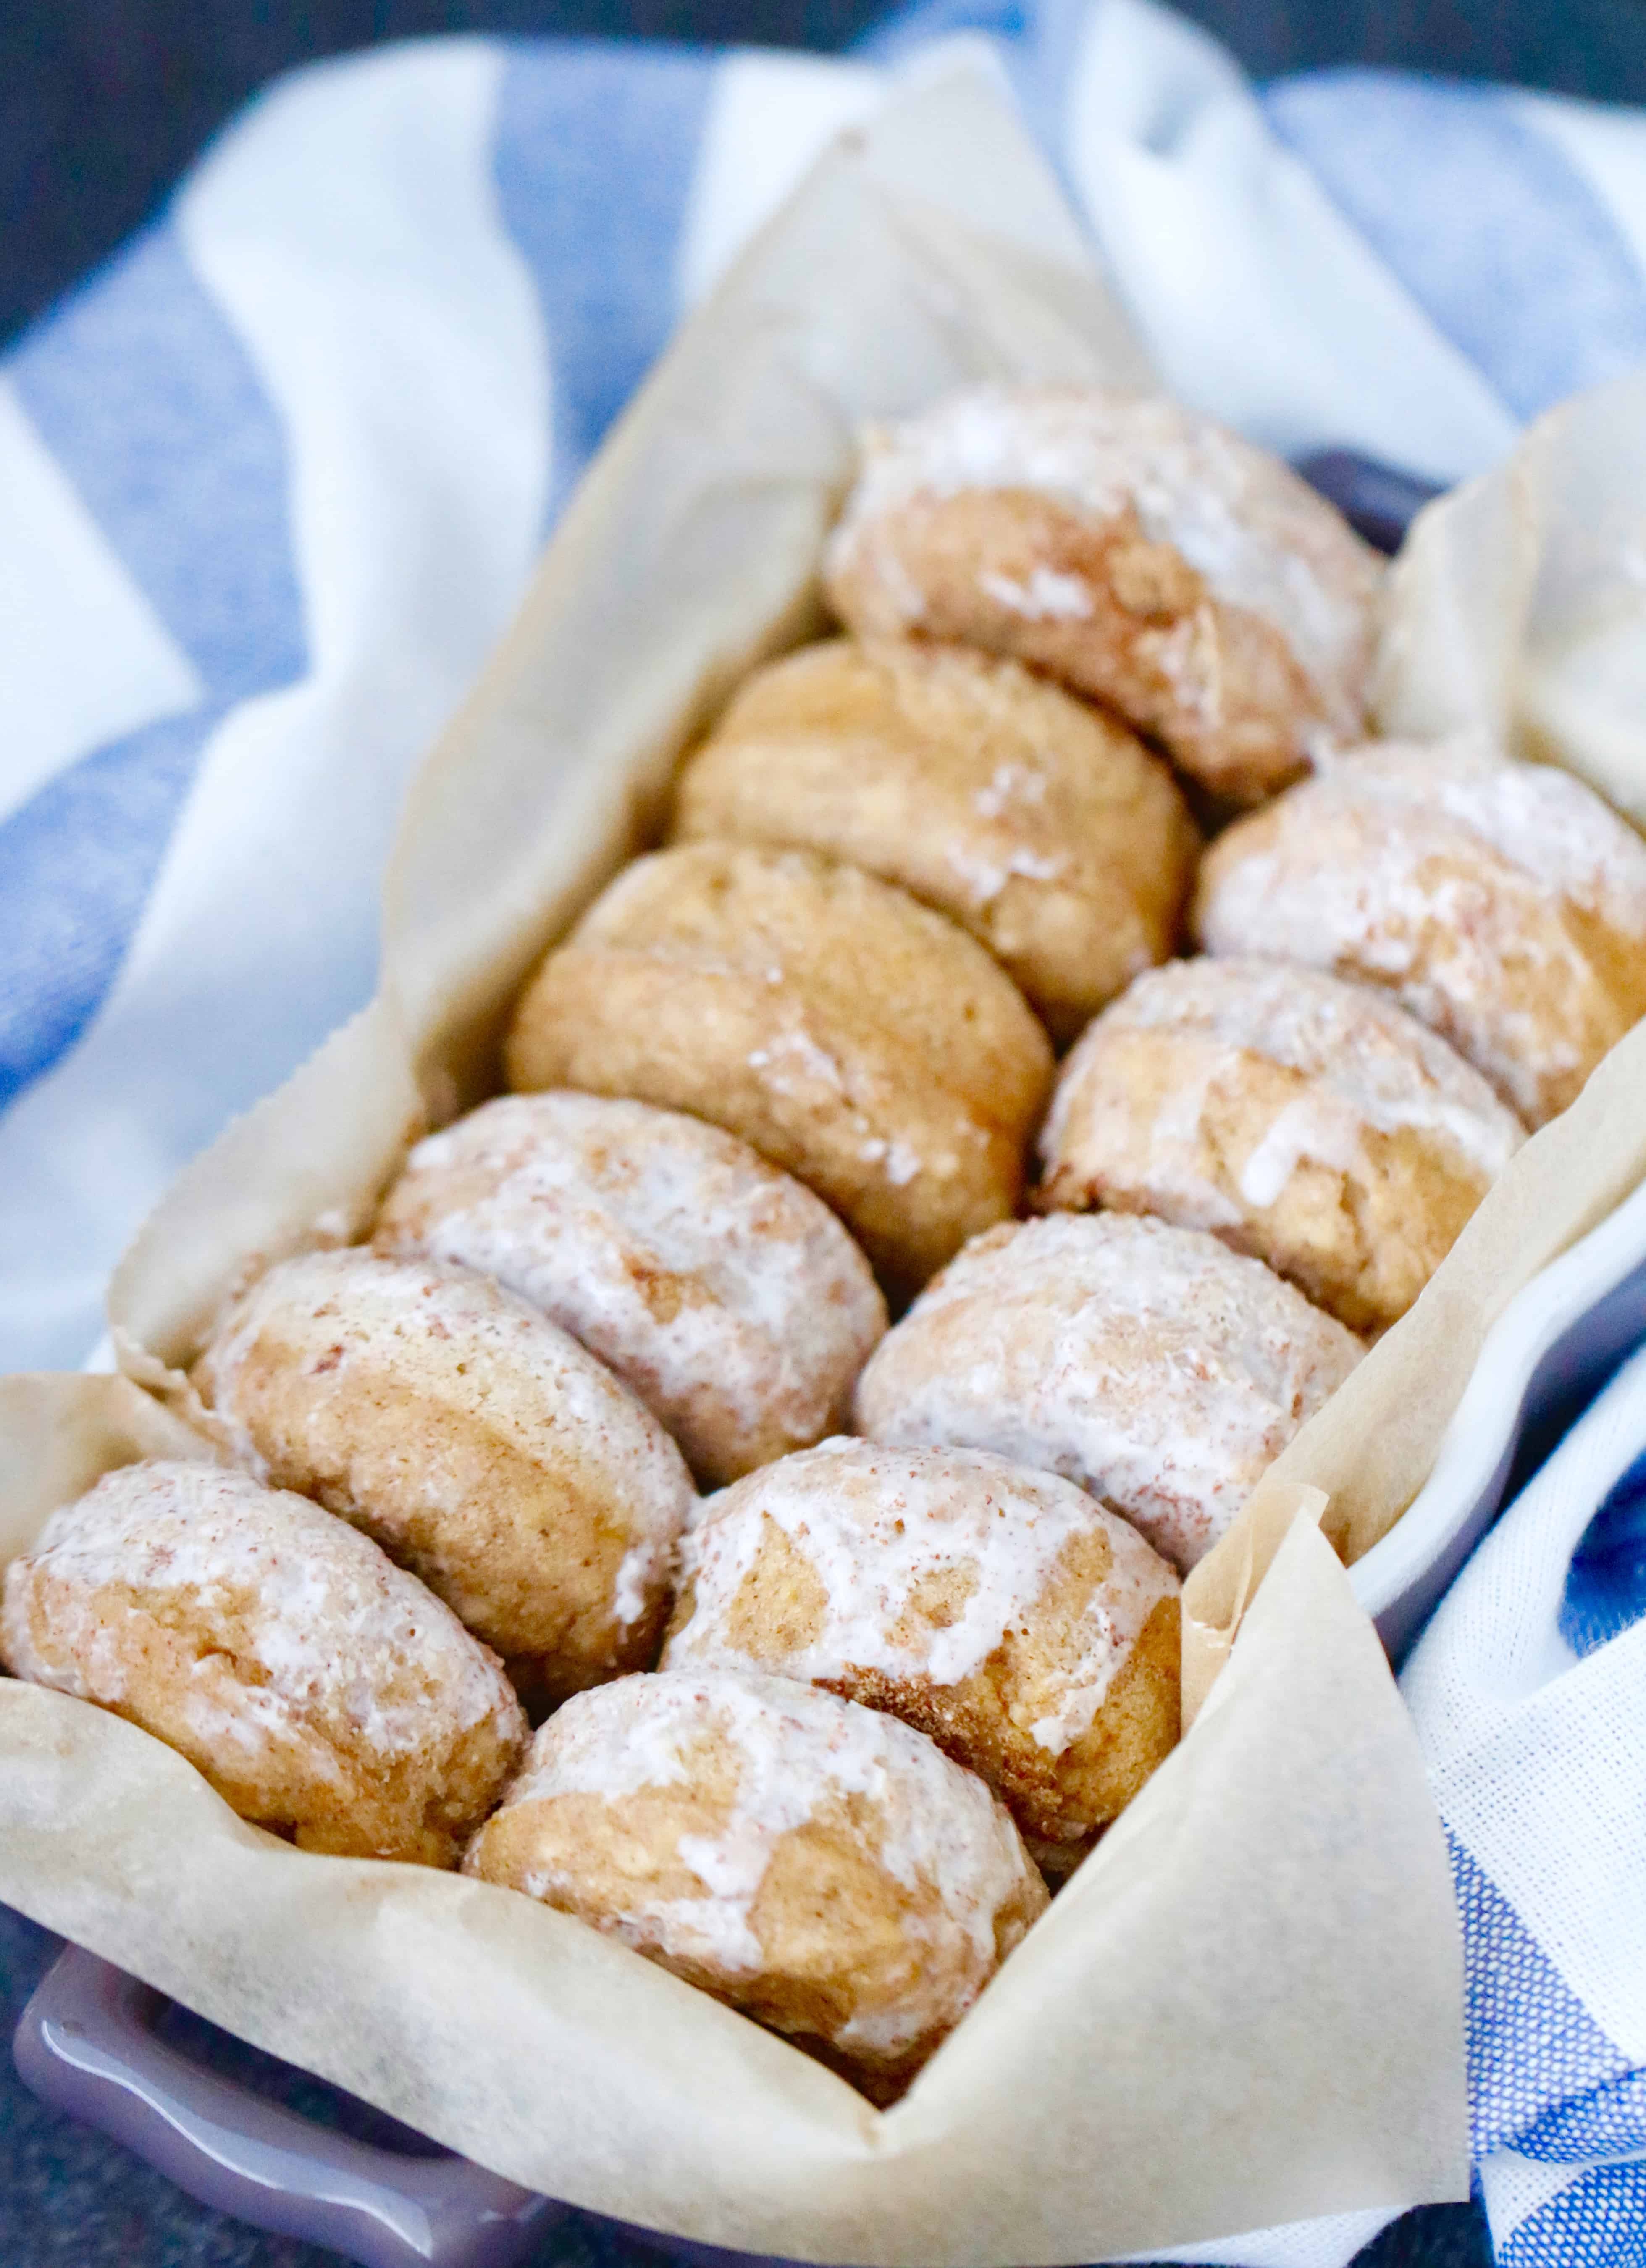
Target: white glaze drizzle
[[533, 1379], [792, 1748], [344, 1640], [579, 1203], [1257, 536], [873, 1524], [1370, 1064], [1425, 866], [1146, 1362]]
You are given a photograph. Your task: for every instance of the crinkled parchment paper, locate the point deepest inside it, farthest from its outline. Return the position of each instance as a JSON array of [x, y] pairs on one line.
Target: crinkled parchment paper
[[1246, 2007]]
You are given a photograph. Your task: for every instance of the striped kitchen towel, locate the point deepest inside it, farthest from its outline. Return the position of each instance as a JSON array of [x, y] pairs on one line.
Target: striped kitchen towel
[[272, 482], [1529, 1691]]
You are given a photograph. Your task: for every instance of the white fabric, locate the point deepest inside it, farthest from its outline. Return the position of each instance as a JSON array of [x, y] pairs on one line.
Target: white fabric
[[1529, 1693], [1257, 298]]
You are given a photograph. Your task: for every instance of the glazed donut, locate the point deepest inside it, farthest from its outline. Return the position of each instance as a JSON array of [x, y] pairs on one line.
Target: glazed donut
[[1033, 1633], [1142, 554], [1503, 903], [1149, 1364], [859, 1041], [323, 1693], [1311, 1122], [819, 1866], [721, 1291], [477, 1443], [1043, 827]]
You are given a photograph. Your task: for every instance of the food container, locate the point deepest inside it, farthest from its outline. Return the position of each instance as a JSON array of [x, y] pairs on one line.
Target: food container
[[88, 2041], [1246, 2008]]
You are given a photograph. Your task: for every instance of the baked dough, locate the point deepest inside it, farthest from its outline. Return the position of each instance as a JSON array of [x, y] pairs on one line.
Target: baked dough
[[1138, 552], [857, 1040], [1310, 1122], [725, 1294], [1033, 1633], [1043, 827], [1148, 1364], [820, 1867], [482, 1447], [323, 1693], [1504, 903]]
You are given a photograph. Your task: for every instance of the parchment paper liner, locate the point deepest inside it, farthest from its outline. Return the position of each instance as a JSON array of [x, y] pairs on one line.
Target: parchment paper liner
[[1246, 2008]]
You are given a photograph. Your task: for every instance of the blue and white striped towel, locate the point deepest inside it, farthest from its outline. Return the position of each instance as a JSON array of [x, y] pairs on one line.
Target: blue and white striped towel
[[1529, 1689], [271, 484]]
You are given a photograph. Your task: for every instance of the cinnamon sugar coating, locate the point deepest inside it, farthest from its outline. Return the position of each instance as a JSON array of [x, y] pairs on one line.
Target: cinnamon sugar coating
[[322, 1692], [1148, 1364], [1038, 823], [857, 1040], [479, 1444], [1503, 903], [1139, 553], [1309, 1121], [819, 1866], [726, 1295], [1032, 1632]]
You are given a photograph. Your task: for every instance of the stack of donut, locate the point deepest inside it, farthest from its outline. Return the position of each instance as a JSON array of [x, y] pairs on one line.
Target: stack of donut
[[809, 1740]]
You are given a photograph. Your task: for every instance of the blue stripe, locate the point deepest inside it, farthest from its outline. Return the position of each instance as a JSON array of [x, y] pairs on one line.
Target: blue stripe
[[1605, 1584], [596, 145], [1533, 2046], [151, 409], [1608, 2122], [1599, 2222], [146, 399], [1484, 220], [76, 864]]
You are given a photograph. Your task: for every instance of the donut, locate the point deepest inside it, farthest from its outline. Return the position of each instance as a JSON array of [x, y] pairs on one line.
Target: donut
[[1043, 827], [819, 1866], [1503, 903], [1309, 1121], [1030, 1632], [1141, 554], [480, 1444], [722, 1292], [1148, 1364], [857, 1040], [323, 1693]]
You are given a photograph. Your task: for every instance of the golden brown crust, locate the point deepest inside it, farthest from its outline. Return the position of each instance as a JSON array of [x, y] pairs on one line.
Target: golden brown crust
[[1161, 1371], [323, 1693], [482, 1447], [1308, 1121], [1028, 1631], [819, 1866], [1041, 826], [727, 1297], [855, 1038], [1503, 904], [1213, 683], [1062, 525]]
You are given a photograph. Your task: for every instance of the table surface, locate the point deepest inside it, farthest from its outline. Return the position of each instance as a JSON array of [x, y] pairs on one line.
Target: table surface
[[102, 105]]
